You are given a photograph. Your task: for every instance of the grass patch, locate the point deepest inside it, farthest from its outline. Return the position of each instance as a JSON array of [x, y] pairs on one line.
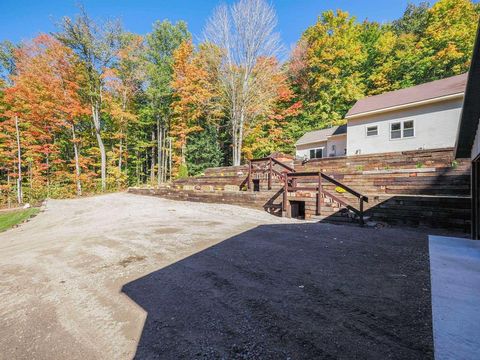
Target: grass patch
[[12, 218]]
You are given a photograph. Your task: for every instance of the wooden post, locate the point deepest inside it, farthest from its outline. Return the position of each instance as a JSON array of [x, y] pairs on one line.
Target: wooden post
[[361, 212], [270, 174], [285, 194], [249, 177], [319, 194]]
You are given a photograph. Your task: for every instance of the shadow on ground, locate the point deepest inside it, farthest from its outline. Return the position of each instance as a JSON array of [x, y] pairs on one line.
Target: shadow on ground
[[292, 291]]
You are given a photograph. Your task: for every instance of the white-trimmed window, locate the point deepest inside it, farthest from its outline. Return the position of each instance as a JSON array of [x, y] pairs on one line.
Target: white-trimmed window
[[372, 130], [408, 129], [316, 153], [402, 129]]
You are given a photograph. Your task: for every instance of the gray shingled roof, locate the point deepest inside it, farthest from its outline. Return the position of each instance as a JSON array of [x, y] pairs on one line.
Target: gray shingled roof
[[431, 90], [321, 135]]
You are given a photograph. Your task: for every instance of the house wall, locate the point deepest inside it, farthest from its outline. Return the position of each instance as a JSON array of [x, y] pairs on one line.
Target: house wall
[[340, 143], [435, 127], [304, 150]]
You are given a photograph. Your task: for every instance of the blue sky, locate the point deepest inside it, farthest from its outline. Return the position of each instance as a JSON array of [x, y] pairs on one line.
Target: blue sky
[[22, 19]]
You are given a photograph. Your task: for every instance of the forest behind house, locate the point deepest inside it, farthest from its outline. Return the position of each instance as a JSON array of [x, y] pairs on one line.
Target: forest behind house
[[93, 108]]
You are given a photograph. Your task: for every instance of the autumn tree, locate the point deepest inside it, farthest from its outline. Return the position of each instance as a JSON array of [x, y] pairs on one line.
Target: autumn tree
[[197, 99], [124, 81], [43, 101], [162, 42], [270, 111], [97, 46], [245, 32]]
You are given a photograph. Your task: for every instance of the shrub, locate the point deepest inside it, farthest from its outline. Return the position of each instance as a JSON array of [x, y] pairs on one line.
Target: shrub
[[182, 171]]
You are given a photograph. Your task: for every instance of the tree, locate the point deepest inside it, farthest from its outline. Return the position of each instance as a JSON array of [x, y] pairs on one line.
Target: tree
[[414, 20], [161, 45], [445, 48], [333, 56], [44, 96], [245, 32], [97, 46], [196, 95], [274, 104], [124, 81]]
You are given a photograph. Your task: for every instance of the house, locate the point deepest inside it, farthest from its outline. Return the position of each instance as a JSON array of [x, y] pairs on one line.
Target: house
[[420, 117], [425, 116], [317, 144], [468, 136]]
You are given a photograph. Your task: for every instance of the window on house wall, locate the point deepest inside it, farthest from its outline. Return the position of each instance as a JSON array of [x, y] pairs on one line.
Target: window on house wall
[[400, 130], [316, 153], [408, 130], [372, 130], [396, 130]]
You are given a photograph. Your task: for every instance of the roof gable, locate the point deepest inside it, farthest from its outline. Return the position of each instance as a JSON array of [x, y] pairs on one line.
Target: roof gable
[[437, 89], [321, 135]]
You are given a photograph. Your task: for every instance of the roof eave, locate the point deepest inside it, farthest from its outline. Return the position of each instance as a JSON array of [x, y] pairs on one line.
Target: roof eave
[[469, 119], [309, 142], [405, 106]]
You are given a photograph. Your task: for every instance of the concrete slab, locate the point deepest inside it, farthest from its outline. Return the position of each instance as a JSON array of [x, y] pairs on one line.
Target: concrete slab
[[455, 277]]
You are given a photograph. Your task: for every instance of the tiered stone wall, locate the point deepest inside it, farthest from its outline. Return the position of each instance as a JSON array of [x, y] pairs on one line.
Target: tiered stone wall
[[424, 187]]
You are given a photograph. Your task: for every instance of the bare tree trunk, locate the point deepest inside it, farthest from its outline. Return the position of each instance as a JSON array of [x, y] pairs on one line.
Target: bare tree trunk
[[77, 162], [9, 202], [19, 162], [47, 163], [120, 152], [165, 154], [101, 146], [170, 158], [159, 152], [124, 108], [152, 160], [137, 167]]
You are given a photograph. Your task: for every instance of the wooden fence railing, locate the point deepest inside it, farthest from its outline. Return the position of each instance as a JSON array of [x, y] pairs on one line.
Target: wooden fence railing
[[292, 182]]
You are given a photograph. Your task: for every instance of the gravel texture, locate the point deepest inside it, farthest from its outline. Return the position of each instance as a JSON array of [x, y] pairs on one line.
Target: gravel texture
[[121, 276]]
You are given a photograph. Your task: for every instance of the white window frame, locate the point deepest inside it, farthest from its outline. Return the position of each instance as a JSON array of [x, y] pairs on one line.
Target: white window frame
[[370, 126], [402, 137], [315, 149]]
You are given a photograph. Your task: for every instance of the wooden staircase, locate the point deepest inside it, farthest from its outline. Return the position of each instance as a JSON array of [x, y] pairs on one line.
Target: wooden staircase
[[414, 188], [298, 187]]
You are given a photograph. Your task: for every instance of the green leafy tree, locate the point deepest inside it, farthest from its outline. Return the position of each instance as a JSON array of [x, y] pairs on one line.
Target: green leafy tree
[[203, 150], [333, 58]]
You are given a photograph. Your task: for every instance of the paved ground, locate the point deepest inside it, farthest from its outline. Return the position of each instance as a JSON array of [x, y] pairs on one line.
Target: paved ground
[[118, 276]]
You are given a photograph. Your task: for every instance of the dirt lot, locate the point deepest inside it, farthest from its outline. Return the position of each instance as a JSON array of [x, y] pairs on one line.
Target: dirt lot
[[118, 276]]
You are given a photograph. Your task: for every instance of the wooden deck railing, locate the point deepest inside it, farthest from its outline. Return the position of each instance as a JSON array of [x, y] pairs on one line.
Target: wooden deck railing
[[291, 179], [291, 184]]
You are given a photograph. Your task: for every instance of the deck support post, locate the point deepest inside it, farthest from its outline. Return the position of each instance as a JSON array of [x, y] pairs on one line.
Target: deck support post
[[285, 195], [249, 177], [361, 212], [270, 174], [319, 194]]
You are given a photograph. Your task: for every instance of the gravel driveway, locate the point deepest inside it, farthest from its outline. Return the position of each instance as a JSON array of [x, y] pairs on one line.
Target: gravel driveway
[[121, 276], [62, 272]]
